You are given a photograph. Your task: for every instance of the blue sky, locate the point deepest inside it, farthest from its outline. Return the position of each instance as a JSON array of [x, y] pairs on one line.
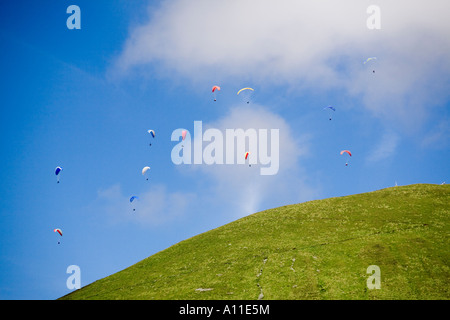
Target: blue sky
[[84, 100]]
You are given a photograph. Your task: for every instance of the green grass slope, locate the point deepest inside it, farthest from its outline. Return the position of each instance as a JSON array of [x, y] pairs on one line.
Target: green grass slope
[[314, 250]]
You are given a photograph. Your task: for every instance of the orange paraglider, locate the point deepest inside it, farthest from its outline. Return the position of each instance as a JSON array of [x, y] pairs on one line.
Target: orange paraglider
[[214, 89]]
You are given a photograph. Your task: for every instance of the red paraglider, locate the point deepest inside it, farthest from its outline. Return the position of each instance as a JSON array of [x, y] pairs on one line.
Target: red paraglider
[[246, 157], [58, 231], [348, 152]]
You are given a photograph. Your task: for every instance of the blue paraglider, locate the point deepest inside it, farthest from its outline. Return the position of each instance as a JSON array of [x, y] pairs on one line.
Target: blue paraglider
[[152, 133], [57, 172], [132, 199], [330, 108]]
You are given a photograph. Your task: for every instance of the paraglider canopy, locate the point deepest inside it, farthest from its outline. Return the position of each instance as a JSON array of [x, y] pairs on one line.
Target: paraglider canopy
[[370, 59], [245, 89]]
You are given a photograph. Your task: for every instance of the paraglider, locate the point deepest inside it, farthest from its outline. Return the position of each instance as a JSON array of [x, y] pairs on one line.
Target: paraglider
[[144, 172], [330, 108], [348, 152], [214, 89], [57, 172], [183, 136], [246, 157], [246, 93], [59, 231], [132, 199], [152, 133], [368, 62]]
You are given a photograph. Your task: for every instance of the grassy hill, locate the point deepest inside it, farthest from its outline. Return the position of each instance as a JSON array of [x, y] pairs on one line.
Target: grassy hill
[[314, 250]]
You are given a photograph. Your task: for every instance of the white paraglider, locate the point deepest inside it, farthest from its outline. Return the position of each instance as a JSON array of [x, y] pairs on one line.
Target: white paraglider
[[145, 172]]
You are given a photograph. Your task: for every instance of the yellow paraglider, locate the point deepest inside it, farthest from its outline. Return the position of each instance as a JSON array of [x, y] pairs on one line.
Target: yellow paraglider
[[248, 92], [244, 89], [373, 59]]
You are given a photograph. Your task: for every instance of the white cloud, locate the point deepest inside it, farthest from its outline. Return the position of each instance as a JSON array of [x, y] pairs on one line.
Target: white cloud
[[386, 147], [312, 46], [256, 38], [306, 44]]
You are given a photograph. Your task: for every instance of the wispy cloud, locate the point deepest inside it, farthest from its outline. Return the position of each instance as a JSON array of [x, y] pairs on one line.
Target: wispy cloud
[[386, 147], [438, 136], [154, 207]]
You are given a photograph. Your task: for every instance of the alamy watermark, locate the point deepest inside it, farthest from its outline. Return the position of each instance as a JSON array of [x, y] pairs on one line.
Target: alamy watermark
[[374, 280], [74, 20], [373, 22], [74, 280], [229, 147]]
